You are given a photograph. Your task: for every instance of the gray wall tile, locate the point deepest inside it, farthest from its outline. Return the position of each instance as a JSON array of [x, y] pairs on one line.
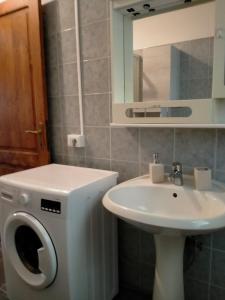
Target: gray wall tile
[[195, 147], [97, 163], [51, 18], [129, 274], [92, 36], [199, 270], [68, 79], [129, 241], [97, 110], [67, 46], [92, 11], [147, 274], [127, 170], [52, 77], [199, 89], [51, 50], [57, 158], [97, 142], [156, 140], [221, 150], [219, 240], [95, 73], [195, 290], [217, 293], [147, 248], [56, 140], [66, 14], [200, 49], [70, 109], [74, 160], [205, 240], [218, 270], [55, 116], [124, 144], [198, 70], [220, 176]]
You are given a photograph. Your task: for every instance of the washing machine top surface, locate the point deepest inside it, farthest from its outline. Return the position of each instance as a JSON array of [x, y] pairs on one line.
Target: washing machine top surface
[[55, 177]]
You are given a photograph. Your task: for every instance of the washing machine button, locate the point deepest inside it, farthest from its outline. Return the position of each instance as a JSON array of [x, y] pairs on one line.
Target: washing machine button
[[24, 199]]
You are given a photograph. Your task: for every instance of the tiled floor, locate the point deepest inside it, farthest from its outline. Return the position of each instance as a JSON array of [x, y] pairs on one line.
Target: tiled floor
[[125, 294]]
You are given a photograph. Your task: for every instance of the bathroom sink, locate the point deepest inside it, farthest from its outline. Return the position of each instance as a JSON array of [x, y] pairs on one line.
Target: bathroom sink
[[170, 213], [167, 208]]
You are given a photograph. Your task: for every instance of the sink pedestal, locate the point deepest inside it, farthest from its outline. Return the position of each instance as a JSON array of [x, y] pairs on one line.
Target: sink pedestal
[[168, 283]]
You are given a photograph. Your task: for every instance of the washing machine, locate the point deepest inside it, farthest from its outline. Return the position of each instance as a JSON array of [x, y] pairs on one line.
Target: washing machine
[[57, 240]]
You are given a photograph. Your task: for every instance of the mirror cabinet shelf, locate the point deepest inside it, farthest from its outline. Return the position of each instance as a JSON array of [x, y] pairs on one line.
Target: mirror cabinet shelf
[[153, 125], [168, 63]]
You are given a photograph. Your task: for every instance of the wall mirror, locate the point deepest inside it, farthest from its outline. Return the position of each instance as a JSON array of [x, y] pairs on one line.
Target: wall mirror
[[168, 61]]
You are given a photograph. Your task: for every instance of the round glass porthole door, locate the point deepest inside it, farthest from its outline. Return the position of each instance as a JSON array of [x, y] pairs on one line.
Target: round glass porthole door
[[27, 245], [30, 250]]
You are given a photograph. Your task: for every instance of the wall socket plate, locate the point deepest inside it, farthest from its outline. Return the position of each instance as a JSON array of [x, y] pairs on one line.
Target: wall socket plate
[[75, 140]]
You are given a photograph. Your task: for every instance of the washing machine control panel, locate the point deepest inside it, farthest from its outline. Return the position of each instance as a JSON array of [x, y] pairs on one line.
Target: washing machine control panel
[[51, 206]]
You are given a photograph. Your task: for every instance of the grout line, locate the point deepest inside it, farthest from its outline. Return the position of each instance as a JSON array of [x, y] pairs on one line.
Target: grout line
[[68, 95], [139, 258], [96, 22], [139, 152], [110, 158], [218, 250], [98, 126], [67, 29], [110, 148], [96, 94], [110, 98], [66, 63], [85, 60], [197, 280], [219, 287], [215, 152], [110, 134], [174, 144], [210, 266]]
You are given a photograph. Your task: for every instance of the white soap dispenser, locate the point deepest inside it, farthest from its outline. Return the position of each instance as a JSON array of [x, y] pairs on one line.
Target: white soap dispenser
[[156, 170]]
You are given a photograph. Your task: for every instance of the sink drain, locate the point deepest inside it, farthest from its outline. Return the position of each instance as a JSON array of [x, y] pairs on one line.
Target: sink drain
[[175, 195]]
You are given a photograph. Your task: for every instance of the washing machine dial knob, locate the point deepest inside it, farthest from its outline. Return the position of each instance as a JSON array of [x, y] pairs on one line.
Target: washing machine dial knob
[[24, 199]]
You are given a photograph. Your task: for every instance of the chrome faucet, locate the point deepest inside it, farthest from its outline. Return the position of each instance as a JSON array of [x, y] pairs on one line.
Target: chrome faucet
[[176, 176]]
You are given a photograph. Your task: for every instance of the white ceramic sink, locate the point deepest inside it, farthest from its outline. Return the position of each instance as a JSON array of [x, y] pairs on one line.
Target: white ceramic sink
[[171, 213], [168, 208]]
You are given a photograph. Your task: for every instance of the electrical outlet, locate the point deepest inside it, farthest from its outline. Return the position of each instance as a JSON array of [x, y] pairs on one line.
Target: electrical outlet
[[75, 140]]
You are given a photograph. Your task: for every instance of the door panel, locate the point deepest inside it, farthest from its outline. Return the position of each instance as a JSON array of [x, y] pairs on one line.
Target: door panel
[[17, 101], [22, 87]]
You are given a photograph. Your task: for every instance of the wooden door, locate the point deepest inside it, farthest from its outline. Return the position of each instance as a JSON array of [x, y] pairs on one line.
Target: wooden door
[[22, 87]]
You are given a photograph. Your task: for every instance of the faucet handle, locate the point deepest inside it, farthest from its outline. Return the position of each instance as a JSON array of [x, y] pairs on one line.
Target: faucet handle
[[177, 166]]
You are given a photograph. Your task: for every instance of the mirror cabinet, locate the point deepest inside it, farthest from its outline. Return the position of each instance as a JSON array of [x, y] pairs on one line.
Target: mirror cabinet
[[168, 63]]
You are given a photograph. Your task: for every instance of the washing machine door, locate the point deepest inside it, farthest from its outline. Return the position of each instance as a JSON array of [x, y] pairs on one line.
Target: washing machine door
[[30, 250]]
